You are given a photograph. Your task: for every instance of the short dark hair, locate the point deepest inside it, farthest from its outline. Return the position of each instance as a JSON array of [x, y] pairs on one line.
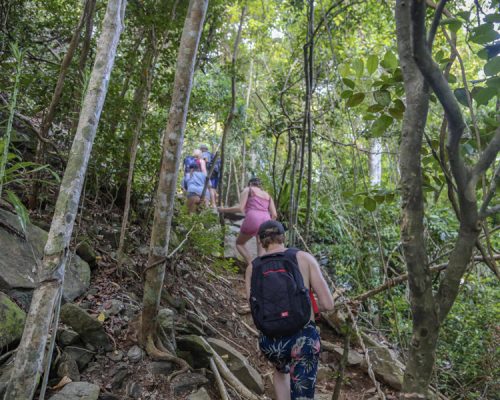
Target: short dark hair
[[255, 182], [272, 239], [271, 232]]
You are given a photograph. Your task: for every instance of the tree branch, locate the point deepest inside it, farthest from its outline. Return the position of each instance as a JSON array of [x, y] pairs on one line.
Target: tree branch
[[430, 70], [435, 22], [491, 193], [487, 157]]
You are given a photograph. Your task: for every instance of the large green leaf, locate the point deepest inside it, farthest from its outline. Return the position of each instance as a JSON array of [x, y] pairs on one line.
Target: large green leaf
[[358, 66], [461, 96], [370, 204], [371, 63], [492, 67], [380, 125], [355, 100], [484, 33], [390, 61], [21, 211], [452, 23], [483, 95], [348, 82], [382, 97]]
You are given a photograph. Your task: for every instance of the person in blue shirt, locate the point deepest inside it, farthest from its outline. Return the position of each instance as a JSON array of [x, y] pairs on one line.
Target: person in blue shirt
[[194, 181]]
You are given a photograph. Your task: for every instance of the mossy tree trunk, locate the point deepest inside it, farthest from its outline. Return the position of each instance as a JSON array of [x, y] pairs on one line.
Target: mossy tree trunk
[[28, 366], [430, 309], [172, 146]]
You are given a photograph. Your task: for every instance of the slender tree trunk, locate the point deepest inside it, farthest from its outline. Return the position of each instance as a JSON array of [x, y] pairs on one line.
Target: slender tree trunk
[[172, 147], [56, 97], [82, 62], [134, 124], [418, 370], [232, 110], [375, 162], [28, 365], [244, 144], [309, 87]]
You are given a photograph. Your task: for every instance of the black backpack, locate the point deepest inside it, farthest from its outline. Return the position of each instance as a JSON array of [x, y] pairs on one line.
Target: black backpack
[[279, 301]]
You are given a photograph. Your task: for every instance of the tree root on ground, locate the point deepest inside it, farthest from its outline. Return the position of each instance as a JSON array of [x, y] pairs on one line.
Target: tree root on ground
[[157, 353]]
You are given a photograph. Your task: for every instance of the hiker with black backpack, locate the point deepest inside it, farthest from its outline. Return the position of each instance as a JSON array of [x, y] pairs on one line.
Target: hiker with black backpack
[[278, 287]]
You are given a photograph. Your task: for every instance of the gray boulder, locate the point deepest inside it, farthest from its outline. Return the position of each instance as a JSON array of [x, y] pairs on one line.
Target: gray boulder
[[11, 321], [90, 330], [78, 391], [81, 356], [68, 367], [238, 365], [385, 363], [20, 253]]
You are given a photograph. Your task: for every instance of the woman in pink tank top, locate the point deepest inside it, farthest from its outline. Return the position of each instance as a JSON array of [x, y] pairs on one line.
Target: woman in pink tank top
[[258, 207]]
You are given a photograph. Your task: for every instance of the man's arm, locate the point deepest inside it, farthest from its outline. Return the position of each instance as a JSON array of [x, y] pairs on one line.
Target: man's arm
[[319, 284]]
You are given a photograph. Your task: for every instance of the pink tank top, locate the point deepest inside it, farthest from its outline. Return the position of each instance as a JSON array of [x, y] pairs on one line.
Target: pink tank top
[[256, 203]]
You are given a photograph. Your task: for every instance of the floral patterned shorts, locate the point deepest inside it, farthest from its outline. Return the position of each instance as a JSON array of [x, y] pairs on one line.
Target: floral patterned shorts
[[297, 355]]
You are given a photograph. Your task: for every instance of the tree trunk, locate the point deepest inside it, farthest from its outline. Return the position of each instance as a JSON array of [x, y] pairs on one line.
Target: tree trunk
[[172, 146], [134, 124], [425, 323], [309, 89], [375, 162], [232, 110], [429, 310], [30, 354], [56, 97]]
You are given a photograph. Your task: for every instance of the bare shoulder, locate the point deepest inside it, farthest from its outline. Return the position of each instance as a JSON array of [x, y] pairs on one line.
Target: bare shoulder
[[305, 258]]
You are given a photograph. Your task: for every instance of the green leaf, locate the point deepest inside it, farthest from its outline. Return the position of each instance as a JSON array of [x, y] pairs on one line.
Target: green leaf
[[492, 67], [370, 204], [484, 33], [369, 117], [382, 97], [390, 61], [396, 113], [452, 78], [346, 94], [399, 105], [483, 54], [483, 95], [461, 96], [358, 66], [492, 18], [493, 82], [371, 63], [349, 83], [21, 211], [380, 125], [452, 23], [355, 99], [374, 108]]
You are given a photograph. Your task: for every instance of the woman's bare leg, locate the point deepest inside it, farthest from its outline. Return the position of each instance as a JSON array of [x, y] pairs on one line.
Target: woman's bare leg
[[242, 249], [192, 202]]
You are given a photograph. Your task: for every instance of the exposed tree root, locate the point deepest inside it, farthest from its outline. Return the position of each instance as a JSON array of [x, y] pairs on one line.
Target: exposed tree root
[[234, 382], [164, 355]]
